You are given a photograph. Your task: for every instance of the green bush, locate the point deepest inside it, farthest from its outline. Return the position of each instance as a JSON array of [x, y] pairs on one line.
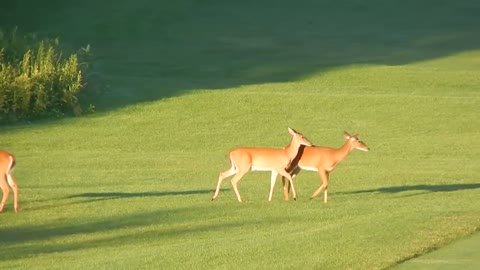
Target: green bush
[[36, 80]]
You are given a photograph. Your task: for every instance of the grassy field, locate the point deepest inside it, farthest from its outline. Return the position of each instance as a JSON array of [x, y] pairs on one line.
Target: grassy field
[[461, 254], [129, 187]]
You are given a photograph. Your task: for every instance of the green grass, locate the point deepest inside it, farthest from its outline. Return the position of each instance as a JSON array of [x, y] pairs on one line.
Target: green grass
[[130, 186], [461, 254]]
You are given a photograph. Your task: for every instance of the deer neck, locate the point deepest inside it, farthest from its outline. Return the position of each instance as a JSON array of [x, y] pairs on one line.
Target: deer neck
[[343, 151], [291, 150]]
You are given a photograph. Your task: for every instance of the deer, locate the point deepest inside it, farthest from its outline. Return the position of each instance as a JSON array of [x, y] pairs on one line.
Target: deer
[[7, 162], [323, 160], [245, 159]]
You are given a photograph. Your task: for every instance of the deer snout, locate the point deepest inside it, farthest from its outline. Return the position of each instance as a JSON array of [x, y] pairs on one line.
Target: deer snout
[[365, 148]]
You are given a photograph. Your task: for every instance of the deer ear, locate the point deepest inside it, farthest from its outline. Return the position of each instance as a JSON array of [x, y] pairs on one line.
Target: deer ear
[[291, 131], [346, 135]]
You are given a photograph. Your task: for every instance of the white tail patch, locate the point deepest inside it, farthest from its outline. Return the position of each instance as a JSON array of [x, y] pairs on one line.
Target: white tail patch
[[9, 171]]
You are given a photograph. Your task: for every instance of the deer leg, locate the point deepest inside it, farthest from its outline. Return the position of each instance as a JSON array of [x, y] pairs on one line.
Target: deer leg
[[324, 176], [5, 190], [221, 177], [13, 185], [284, 173], [235, 180], [273, 179], [325, 197], [286, 185], [286, 189]]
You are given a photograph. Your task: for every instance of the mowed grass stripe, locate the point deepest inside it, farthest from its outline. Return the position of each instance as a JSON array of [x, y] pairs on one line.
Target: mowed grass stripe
[[151, 161], [129, 187], [461, 254]]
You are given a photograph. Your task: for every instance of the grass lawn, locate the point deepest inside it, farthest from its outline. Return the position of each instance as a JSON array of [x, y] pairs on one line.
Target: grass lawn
[[458, 255], [129, 187]]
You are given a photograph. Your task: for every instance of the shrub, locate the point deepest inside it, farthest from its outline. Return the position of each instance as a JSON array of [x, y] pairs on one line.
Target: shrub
[[36, 80]]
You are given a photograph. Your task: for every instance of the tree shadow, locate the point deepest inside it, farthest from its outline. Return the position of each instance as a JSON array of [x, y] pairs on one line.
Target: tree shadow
[[422, 188], [103, 231], [148, 50], [19, 251]]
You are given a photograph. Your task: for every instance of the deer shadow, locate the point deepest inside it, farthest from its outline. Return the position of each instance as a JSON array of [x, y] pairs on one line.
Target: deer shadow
[[119, 195], [91, 197], [424, 188], [102, 196]]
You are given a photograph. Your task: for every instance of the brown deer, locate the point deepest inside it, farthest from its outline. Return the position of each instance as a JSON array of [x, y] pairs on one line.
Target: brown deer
[[244, 159], [323, 160], [7, 162]]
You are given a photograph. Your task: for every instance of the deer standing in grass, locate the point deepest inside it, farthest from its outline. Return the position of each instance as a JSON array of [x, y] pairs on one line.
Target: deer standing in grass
[[322, 160], [7, 161], [244, 159]]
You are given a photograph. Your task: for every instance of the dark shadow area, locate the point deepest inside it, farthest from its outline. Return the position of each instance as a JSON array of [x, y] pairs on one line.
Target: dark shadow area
[[424, 188], [99, 232], [93, 197], [38, 249], [102, 196], [147, 50], [120, 195]]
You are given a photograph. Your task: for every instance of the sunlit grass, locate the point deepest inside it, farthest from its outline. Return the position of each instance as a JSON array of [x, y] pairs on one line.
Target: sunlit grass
[[130, 186], [139, 180]]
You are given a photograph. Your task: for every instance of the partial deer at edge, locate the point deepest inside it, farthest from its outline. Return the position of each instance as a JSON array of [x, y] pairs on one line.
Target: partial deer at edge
[[244, 159], [323, 160], [7, 162]]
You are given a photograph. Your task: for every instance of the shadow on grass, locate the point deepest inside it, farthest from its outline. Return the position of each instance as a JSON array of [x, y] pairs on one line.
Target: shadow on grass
[[103, 230], [148, 50], [92, 197], [119, 195], [423, 188], [102, 196]]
